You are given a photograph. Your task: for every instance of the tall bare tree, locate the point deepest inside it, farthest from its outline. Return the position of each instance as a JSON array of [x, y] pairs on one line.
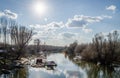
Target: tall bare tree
[[4, 25], [3, 31], [20, 36]]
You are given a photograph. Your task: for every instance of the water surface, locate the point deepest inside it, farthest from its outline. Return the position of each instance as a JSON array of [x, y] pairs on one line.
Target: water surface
[[66, 69]]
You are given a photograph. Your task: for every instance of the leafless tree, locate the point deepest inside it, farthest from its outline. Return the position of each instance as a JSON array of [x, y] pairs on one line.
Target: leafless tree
[[3, 30], [113, 44], [4, 25], [20, 36]]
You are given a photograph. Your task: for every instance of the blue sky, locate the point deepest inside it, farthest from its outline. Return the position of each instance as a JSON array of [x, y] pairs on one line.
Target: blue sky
[[64, 21]]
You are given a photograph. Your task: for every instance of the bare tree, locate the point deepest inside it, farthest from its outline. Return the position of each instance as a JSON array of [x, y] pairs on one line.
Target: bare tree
[[4, 25], [3, 31], [20, 36], [113, 40]]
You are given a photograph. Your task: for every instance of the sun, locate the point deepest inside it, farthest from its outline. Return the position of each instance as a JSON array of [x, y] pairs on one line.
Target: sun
[[39, 8]]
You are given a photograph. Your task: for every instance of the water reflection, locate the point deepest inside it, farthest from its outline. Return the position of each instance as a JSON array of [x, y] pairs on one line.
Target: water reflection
[[67, 68], [99, 71], [16, 73]]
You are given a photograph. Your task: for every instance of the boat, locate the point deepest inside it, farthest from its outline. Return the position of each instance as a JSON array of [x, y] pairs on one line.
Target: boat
[[39, 62], [50, 63]]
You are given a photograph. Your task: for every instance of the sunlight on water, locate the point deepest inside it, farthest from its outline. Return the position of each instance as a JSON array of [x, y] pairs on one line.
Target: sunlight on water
[[65, 69]]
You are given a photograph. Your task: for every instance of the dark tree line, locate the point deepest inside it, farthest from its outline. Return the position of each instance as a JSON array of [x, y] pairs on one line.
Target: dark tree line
[[104, 49]]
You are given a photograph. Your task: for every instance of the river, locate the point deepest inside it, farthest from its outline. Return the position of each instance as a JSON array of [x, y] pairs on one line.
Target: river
[[66, 68]]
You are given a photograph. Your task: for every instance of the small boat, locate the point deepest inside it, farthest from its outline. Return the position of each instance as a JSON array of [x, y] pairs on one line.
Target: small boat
[[50, 63]]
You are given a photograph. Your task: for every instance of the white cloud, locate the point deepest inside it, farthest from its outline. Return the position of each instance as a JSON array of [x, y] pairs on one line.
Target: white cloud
[[1, 14], [46, 31], [51, 25], [86, 30], [82, 21], [54, 31], [9, 14], [55, 24], [77, 21], [68, 35], [48, 28], [111, 8]]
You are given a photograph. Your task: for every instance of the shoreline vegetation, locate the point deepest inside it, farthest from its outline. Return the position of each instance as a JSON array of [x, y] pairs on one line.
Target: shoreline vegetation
[[103, 50]]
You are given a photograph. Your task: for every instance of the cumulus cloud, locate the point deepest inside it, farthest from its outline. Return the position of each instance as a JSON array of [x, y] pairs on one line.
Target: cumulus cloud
[[55, 25], [82, 20], [111, 8], [48, 28], [51, 25], [86, 30], [46, 31], [9, 14], [68, 35], [36, 26], [77, 21], [1, 14], [54, 30]]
